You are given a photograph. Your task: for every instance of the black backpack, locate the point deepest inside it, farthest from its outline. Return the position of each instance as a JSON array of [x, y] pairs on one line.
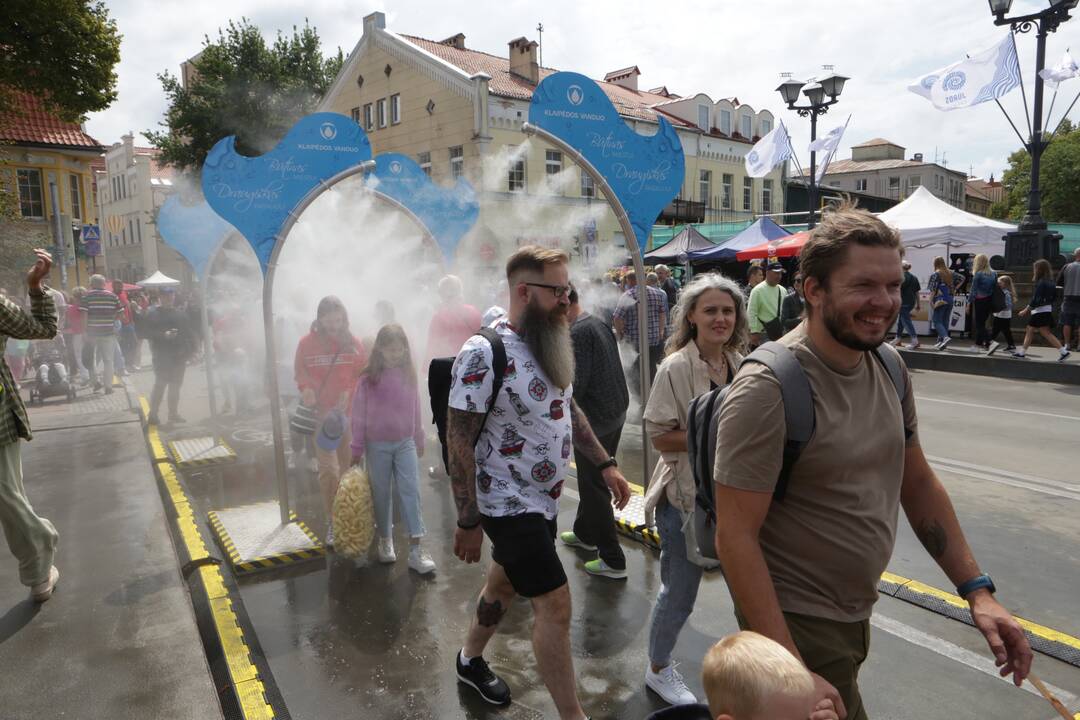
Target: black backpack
[[440, 373], [704, 414]]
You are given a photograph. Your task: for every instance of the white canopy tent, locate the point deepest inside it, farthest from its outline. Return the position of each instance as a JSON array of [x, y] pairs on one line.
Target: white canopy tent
[[158, 280]]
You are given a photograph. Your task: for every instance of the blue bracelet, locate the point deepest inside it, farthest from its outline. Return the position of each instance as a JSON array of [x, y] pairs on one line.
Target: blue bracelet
[[976, 583]]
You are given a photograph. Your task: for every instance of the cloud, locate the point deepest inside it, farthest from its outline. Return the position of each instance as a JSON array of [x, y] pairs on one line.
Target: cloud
[[722, 49]]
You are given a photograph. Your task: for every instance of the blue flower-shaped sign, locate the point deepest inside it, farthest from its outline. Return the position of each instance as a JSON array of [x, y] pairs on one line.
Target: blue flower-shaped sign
[[192, 229]]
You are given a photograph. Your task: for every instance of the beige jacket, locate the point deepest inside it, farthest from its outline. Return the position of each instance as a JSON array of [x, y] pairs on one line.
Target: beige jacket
[[682, 377]]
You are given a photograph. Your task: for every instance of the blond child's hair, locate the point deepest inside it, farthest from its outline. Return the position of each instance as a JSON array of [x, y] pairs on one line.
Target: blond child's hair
[[745, 669]]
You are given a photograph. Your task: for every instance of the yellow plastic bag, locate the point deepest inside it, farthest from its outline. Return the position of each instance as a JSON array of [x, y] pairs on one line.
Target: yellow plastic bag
[[354, 514]]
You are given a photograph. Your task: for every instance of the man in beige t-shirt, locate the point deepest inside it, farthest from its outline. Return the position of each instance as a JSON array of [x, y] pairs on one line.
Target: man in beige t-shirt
[[804, 570]]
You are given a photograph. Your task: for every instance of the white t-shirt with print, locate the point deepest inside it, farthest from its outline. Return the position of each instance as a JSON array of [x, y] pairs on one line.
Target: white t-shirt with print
[[525, 447]]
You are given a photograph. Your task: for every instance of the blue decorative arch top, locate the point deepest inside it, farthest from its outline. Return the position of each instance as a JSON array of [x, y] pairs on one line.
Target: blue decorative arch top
[[193, 230], [645, 172]]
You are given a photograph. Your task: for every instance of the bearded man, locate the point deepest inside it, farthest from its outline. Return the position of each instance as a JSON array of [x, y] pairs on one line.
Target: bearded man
[[507, 472]]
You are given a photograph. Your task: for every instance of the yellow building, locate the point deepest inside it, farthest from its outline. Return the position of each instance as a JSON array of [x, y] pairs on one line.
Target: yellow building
[[458, 112], [45, 168]]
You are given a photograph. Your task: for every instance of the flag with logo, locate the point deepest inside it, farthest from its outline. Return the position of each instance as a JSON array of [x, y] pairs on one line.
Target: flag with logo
[[982, 77], [828, 145], [769, 152], [1066, 69]]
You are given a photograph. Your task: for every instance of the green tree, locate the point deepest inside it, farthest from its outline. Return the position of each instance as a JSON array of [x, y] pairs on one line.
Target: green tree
[[62, 51], [243, 87], [1059, 176]]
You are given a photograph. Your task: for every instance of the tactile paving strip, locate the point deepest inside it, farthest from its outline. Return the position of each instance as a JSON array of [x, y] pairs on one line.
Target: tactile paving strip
[[255, 539]]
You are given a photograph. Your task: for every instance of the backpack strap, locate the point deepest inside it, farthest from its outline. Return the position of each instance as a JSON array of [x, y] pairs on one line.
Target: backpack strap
[[498, 367], [889, 358], [798, 401]]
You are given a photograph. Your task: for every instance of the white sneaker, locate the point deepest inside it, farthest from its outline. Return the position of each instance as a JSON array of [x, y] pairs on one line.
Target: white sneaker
[[44, 590], [913, 346], [993, 348], [1064, 354], [945, 342], [1019, 354], [420, 561], [669, 685], [386, 550]]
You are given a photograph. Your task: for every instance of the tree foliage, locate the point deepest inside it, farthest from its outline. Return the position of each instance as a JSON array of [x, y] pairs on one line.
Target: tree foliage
[[1059, 176], [243, 87], [62, 51]]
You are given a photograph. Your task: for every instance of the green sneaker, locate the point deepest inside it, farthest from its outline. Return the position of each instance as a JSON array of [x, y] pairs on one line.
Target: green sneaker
[[569, 538], [602, 569]]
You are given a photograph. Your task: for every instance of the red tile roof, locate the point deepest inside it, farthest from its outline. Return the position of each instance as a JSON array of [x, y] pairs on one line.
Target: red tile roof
[[630, 103], [32, 124]]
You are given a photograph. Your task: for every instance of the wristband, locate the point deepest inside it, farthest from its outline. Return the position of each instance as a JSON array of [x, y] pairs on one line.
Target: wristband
[[976, 583], [468, 527], [610, 462]]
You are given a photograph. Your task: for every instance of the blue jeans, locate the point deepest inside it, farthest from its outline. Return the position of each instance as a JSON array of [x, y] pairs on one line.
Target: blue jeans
[[904, 323], [679, 582], [941, 320], [394, 464]]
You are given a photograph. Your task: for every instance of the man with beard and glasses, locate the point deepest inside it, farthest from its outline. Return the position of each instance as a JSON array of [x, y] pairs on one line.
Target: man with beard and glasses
[[803, 571], [507, 470]]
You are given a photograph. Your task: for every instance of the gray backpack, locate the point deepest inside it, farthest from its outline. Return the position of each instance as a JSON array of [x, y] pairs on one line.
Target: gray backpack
[[704, 415]]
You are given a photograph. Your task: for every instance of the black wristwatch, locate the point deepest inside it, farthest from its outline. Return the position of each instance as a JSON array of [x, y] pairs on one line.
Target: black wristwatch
[[976, 583], [468, 527], [610, 462]]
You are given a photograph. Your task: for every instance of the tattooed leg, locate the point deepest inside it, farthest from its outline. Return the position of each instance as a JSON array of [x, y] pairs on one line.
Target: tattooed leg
[[488, 614], [491, 606]]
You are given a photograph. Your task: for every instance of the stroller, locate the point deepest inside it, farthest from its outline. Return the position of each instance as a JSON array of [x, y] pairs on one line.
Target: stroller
[[51, 376]]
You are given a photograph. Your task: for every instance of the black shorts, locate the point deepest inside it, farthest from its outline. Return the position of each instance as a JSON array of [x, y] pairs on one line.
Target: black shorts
[[1041, 320], [524, 545]]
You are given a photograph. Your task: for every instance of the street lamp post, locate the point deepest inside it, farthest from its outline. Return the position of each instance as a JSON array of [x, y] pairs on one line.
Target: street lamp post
[[1031, 240], [829, 86]]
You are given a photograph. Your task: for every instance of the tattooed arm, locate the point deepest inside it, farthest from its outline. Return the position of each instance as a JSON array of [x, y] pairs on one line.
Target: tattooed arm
[[461, 430], [586, 443], [931, 514]]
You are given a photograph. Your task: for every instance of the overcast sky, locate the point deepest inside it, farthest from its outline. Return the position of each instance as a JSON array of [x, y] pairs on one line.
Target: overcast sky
[[723, 49]]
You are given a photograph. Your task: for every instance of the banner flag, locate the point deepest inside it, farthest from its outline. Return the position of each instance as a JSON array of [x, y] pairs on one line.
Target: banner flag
[[769, 152], [828, 145], [1066, 69], [984, 76]]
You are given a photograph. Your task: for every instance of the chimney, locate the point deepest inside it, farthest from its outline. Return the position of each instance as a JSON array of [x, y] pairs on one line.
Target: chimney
[[374, 21], [523, 60], [455, 41], [917, 157], [627, 77]]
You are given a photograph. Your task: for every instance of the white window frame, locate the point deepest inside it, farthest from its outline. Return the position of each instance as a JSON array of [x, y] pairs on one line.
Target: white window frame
[[517, 176], [588, 185], [29, 186], [703, 117], [727, 189], [746, 126], [380, 112], [75, 189], [860, 184], [766, 196], [766, 127], [457, 162], [354, 113], [748, 194], [395, 109], [424, 161], [369, 116], [553, 162], [705, 186], [725, 122]]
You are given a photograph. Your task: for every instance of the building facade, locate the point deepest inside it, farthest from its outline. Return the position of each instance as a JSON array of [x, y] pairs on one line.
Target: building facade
[[131, 186], [459, 112], [47, 183], [878, 167]]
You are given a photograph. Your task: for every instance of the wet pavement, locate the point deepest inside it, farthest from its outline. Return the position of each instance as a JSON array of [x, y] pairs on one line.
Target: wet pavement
[[349, 639]]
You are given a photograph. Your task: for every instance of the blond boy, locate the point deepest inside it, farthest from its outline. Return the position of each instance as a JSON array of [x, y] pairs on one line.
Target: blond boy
[[747, 676]]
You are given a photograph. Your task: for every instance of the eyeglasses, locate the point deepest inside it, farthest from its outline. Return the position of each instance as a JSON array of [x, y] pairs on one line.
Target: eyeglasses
[[558, 290]]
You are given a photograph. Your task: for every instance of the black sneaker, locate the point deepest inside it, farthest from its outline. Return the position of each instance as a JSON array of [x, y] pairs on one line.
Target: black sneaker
[[479, 676]]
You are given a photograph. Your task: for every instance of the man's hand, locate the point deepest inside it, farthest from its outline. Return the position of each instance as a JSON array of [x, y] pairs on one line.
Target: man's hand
[[40, 271], [824, 691], [467, 544], [616, 483], [1025, 312], [308, 397], [1012, 652], [824, 710]]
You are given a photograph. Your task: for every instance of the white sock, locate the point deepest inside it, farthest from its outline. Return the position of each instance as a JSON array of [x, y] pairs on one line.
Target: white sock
[[464, 660], [1064, 350]]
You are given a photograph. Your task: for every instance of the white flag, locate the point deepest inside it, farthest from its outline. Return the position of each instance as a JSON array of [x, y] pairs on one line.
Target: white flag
[[984, 76], [1066, 69], [828, 145], [769, 152]]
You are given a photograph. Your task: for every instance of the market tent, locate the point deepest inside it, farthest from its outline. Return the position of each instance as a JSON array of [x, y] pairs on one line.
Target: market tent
[[157, 280], [128, 287], [789, 246], [925, 220], [765, 230], [687, 241]]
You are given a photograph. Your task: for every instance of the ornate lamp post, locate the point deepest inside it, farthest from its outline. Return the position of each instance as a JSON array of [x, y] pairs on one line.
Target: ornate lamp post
[[816, 93], [1032, 240]]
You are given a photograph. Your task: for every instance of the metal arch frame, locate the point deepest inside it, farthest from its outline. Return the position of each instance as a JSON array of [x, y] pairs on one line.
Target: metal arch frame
[[639, 268], [276, 425]]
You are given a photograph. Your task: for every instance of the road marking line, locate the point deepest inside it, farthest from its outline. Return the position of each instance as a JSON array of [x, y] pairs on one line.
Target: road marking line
[[1013, 483], [956, 653], [924, 398], [1005, 473]]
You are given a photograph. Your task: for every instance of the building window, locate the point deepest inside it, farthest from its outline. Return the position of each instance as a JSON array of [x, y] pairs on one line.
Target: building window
[[138, 230], [860, 185], [746, 126], [30, 198], [131, 230], [515, 180], [747, 193], [705, 186], [766, 127], [369, 117], [395, 109], [588, 187], [380, 111], [725, 122], [553, 162], [424, 159], [915, 181], [76, 197], [355, 115], [457, 162], [894, 185], [766, 196], [703, 117], [725, 191]]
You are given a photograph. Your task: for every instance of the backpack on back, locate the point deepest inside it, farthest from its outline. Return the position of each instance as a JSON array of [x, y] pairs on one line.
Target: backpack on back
[[440, 374], [798, 398]]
